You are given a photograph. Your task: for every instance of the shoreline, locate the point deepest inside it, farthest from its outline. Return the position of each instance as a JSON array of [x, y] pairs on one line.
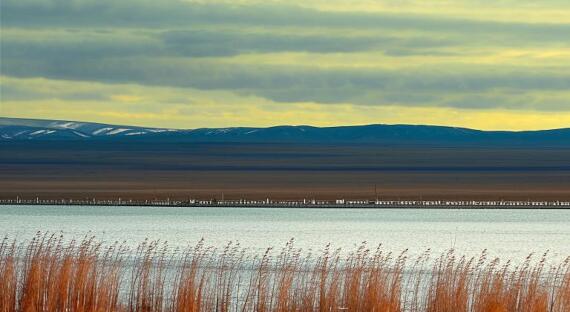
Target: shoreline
[[304, 204]]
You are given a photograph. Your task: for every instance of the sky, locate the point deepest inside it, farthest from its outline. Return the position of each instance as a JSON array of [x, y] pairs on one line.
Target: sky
[[501, 65]]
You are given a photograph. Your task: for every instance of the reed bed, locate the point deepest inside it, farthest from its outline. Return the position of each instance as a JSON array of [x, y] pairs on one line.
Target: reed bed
[[49, 273]]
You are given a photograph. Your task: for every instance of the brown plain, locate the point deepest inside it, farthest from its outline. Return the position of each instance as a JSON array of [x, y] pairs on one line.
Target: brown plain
[[105, 170]]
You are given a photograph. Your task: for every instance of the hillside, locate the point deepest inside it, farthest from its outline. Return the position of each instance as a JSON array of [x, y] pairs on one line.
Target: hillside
[[29, 129]]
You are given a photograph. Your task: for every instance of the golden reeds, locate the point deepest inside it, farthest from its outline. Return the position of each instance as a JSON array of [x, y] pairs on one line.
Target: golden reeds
[[50, 274]]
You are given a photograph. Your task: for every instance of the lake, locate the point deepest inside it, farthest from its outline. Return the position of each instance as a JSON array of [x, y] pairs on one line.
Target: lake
[[509, 234]]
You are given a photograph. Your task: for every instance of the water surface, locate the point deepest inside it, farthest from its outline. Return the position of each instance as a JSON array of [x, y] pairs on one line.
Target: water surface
[[507, 233]]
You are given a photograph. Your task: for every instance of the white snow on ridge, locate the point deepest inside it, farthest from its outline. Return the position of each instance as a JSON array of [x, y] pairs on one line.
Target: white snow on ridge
[[38, 132], [160, 130], [117, 131], [83, 135], [136, 133], [66, 125], [219, 131], [99, 131]]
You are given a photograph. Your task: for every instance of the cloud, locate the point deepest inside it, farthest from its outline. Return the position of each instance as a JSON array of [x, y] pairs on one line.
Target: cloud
[[176, 14], [223, 43], [288, 84], [289, 53], [191, 108], [199, 59], [85, 44]]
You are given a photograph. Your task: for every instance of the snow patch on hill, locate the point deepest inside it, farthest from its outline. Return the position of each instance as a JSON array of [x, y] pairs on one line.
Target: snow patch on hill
[[66, 125], [81, 134], [117, 131], [99, 131]]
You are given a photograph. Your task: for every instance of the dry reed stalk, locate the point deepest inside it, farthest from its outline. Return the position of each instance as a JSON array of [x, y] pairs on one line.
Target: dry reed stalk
[[449, 287], [329, 281], [261, 284], [8, 276], [560, 298], [148, 278], [189, 281], [47, 274], [54, 277]]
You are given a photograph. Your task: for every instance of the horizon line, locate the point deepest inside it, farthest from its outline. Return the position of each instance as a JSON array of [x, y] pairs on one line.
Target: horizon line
[[284, 125]]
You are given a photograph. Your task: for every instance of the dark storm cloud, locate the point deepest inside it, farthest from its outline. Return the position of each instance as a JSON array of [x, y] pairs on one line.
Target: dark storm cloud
[[216, 43], [181, 44], [69, 45], [76, 47], [169, 14], [295, 84], [415, 52]]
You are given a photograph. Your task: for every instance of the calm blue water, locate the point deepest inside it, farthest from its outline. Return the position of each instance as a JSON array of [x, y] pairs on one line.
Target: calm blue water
[[507, 233]]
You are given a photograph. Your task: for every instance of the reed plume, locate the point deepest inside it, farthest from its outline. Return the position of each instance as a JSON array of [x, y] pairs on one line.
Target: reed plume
[[49, 273]]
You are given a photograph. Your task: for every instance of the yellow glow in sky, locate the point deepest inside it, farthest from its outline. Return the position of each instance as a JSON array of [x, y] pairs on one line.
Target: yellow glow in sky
[[189, 64]]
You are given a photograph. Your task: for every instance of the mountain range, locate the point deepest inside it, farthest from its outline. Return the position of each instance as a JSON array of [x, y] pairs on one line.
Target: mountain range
[[69, 159], [15, 129]]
